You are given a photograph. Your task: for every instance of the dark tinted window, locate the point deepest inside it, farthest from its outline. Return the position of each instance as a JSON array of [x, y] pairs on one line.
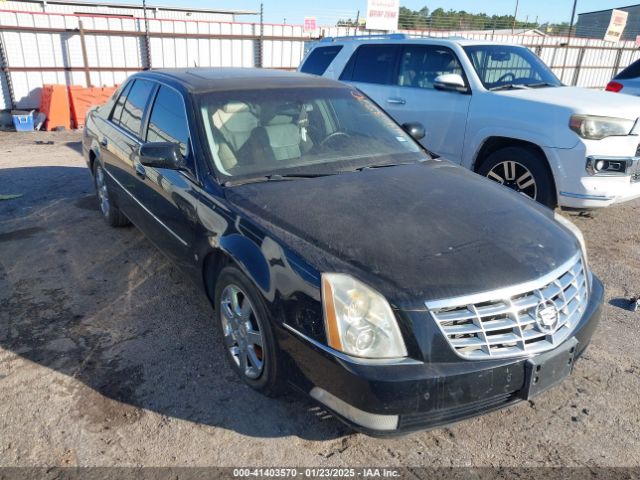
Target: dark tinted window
[[319, 59], [632, 71], [372, 64], [133, 109], [168, 121], [421, 65], [117, 111]]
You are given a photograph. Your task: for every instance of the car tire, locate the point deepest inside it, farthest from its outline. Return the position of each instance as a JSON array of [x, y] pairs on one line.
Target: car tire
[[258, 364], [110, 212], [523, 170]]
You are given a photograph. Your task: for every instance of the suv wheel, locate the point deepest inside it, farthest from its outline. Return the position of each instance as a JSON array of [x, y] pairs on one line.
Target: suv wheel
[[110, 212], [522, 170], [247, 334]]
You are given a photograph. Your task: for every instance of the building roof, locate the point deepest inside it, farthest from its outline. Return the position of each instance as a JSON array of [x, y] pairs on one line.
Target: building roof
[[609, 9], [87, 3]]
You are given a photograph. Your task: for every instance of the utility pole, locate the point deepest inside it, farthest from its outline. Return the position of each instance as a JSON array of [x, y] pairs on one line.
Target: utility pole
[[515, 15], [357, 22], [566, 52]]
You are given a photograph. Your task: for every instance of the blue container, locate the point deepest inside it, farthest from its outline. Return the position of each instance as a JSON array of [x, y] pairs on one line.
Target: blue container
[[22, 120]]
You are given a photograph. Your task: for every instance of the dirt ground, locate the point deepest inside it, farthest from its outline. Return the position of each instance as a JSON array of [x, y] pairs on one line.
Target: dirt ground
[[108, 355]]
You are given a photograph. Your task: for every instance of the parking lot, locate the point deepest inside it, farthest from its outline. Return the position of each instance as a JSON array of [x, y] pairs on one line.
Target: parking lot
[[109, 355]]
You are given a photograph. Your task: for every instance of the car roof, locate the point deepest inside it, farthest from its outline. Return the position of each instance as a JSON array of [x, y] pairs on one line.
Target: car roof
[[200, 80], [399, 39]]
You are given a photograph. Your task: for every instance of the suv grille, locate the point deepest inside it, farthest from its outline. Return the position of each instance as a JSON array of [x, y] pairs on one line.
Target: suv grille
[[516, 321]]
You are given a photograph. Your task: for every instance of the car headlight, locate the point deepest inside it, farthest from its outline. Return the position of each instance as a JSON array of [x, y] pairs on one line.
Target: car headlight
[[359, 321], [596, 128], [576, 232]]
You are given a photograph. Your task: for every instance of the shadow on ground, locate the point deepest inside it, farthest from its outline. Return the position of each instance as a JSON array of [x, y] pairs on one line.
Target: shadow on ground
[[103, 306]]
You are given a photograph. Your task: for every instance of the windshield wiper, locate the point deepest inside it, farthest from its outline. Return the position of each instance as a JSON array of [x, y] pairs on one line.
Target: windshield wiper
[[509, 86], [541, 84], [273, 178]]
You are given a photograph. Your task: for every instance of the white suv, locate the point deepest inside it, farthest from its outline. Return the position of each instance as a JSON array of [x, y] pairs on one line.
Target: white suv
[[499, 110]]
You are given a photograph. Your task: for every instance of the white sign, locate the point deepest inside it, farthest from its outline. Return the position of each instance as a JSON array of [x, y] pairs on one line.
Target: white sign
[[383, 14], [616, 26]]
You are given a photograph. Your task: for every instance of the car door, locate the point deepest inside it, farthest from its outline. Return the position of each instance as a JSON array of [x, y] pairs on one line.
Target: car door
[[372, 69], [120, 145], [170, 196], [415, 99]]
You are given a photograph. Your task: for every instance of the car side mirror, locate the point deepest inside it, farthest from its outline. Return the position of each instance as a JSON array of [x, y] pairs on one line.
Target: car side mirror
[[161, 155], [450, 82], [415, 129]]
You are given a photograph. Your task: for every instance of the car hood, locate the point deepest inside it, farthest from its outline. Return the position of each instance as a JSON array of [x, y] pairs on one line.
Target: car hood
[[415, 233], [581, 100]]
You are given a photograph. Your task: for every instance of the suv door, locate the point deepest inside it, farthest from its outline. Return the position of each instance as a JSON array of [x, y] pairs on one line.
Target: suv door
[[443, 113], [372, 68], [169, 195]]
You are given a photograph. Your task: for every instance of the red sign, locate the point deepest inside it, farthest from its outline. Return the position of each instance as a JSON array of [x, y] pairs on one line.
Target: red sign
[[309, 24]]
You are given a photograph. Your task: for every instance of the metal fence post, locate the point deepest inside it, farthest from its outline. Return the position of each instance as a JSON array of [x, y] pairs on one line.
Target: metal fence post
[[4, 68], [260, 43], [616, 65], [85, 57], [576, 72]]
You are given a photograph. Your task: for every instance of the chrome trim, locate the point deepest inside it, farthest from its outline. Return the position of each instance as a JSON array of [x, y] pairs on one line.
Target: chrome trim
[[504, 292], [350, 359], [146, 209], [601, 198], [505, 323], [629, 161]]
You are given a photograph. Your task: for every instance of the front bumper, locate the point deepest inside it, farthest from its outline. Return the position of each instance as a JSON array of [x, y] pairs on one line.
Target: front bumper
[[576, 188], [398, 398]]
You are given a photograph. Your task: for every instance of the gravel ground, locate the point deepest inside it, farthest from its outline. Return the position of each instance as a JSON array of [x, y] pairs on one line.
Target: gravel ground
[[108, 355]]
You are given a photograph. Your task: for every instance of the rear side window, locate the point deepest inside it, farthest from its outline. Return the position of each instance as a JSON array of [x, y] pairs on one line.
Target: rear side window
[[117, 111], [130, 117], [372, 64], [168, 121], [632, 71], [319, 59]]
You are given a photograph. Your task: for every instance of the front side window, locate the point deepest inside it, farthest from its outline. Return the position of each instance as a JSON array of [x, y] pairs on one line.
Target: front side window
[[168, 121], [421, 65], [319, 59], [301, 130], [117, 110], [130, 117], [500, 66], [372, 64]]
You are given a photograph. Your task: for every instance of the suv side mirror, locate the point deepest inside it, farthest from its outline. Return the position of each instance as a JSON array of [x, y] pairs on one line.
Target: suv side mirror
[[450, 82], [415, 129], [161, 155]]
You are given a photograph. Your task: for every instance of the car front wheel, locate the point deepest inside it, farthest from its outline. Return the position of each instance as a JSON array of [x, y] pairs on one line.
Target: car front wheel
[[522, 170], [247, 333]]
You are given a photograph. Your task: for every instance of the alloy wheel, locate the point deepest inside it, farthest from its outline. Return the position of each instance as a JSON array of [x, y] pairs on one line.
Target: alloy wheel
[[103, 194], [241, 329], [515, 176]]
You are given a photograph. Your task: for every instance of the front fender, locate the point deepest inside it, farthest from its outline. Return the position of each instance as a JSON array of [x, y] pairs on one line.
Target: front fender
[[249, 256]]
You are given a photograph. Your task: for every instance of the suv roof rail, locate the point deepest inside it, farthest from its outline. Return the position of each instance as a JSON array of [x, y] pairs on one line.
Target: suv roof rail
[[379, 36]]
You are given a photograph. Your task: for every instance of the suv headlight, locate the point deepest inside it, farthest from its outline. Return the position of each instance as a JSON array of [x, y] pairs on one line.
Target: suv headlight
[[576, 232], [596, 128], [359, 321]]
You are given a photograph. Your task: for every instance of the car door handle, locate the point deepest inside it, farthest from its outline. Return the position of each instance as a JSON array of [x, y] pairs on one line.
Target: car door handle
[[140, 171], [396, 101], [104, 142]]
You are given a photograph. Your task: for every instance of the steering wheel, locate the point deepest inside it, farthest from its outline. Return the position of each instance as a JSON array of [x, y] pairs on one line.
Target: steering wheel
[[332, 137], [504, 77]]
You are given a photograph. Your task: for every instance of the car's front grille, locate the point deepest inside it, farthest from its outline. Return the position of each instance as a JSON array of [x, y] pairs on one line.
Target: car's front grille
[[520, 320]]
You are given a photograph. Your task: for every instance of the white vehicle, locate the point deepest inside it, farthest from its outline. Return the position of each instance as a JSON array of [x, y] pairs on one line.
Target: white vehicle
[[499, 110]]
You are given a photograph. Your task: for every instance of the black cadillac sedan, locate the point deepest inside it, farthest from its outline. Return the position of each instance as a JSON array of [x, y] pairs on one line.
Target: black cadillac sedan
[[400, 291]]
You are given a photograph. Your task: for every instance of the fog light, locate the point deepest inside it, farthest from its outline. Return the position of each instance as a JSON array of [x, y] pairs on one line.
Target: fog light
[[600, 164], [608, 166]]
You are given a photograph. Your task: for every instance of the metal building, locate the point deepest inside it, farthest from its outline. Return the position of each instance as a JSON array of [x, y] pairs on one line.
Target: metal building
[[595, 24]]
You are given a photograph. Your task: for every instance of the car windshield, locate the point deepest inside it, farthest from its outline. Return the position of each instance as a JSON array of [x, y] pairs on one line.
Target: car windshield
[[297, 131], [506, 66]]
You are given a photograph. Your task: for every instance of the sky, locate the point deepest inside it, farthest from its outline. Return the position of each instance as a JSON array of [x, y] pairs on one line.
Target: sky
[[328, 11]]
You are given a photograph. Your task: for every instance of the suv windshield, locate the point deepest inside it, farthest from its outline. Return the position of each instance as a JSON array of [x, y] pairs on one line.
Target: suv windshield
[[314, 131], [506, 66]]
